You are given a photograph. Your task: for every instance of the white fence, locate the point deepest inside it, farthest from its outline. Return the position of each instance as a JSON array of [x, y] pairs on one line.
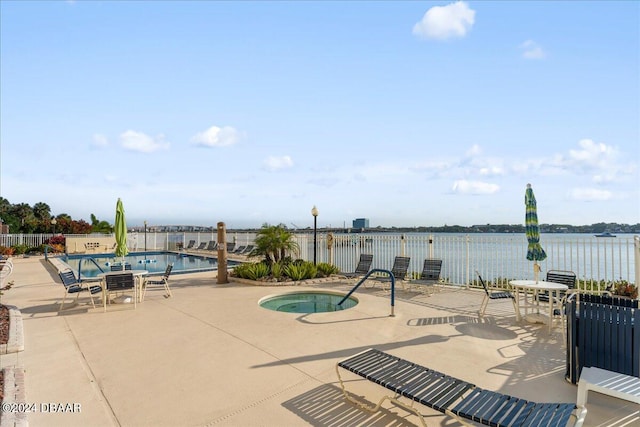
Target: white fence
[[498, 257]]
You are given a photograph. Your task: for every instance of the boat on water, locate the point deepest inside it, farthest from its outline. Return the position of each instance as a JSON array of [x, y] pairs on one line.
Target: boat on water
[[605, 234]]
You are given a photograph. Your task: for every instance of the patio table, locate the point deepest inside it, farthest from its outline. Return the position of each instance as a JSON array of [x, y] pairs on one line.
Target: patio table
[[530, 290]]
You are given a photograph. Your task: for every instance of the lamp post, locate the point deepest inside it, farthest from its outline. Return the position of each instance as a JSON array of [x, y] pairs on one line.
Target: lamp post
[[145, 236], [53, 223], [314, 212]]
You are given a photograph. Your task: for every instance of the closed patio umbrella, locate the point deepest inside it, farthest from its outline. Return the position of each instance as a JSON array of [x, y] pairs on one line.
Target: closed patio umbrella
[[121, 231], [535, 252]]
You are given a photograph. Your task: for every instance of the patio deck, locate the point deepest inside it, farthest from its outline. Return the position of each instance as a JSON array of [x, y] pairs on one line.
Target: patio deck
[[211, 356]]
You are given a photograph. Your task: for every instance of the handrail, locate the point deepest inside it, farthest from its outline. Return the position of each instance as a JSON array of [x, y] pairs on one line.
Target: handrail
[[46, 250], [366, 276], [80, 266]]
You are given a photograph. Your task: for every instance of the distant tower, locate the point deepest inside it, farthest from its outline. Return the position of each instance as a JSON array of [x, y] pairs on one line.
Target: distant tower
[[361, 223]]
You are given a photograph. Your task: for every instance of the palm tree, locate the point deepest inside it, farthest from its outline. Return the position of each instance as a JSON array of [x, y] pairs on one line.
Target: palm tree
[[273, 242]]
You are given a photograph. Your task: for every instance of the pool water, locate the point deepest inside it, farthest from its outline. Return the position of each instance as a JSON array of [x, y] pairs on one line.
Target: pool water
[[307, 302], [153, 262]]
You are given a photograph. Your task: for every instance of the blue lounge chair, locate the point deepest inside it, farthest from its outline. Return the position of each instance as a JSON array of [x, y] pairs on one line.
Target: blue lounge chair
[[451, 396], [430, 275], [363, 267], [399, 271]]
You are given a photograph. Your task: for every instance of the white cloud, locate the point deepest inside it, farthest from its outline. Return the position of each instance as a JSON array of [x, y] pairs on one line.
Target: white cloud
[[491, 171], [474, 187], [532, 50], [217, 137], [273, 163], [590, 194], [474, 151], [138, 141], [444, 22], [592, 154], [100, 140]]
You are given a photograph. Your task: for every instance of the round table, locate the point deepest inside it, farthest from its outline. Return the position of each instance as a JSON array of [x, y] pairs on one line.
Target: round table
[[535, 287]]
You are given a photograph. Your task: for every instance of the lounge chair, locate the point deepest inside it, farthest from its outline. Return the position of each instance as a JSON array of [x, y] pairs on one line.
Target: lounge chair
[[248, 249], [201, 246], [239, 249], [230, 247], [211, 246], [494, 296], [118, 283], [163, 281], [363, 267], [73, 286], [399, 271], [190, 245], [430, 275], [6, 268], [451, 396]]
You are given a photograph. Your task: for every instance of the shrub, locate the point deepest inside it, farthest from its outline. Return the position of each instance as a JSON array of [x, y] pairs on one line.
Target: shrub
[[19, 249], [277, 270], [624, 288], [252, 271], [301, 270], [6, 251], [326, 269], [57, 240]]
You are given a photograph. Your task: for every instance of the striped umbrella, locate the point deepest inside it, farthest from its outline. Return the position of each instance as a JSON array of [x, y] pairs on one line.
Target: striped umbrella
[[121, 231], [535, 252]]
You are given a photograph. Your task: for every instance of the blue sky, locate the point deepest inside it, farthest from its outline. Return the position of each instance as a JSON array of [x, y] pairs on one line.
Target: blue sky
[[406, 113]]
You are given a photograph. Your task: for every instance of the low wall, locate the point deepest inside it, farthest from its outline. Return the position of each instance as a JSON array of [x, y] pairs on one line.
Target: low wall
[[90, 245]]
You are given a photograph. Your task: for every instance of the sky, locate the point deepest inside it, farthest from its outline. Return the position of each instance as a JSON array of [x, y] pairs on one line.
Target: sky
[[405, 113]]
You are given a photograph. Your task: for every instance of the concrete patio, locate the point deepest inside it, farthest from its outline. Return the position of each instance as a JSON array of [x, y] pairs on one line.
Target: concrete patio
[[211, 356]]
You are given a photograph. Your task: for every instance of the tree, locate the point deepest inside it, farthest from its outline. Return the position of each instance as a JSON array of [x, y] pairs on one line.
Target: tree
[[42, 211], [98, 226], [273, 242]]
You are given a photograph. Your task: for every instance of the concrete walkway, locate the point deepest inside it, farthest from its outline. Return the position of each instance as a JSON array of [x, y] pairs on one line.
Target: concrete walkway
[[211, 356]]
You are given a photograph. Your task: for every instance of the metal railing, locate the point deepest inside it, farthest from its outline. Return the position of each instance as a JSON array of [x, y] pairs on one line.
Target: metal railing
[[498, 257]]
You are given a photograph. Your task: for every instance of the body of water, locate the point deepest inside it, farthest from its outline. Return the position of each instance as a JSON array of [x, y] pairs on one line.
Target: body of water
[[494, 255]]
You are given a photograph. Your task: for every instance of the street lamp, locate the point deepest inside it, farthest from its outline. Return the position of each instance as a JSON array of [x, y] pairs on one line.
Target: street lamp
[[314, 212], [145, 236], [53, 223]]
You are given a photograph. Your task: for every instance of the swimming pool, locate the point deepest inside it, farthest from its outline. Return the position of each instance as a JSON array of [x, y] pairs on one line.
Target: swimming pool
[[307, 302], [153, 262]]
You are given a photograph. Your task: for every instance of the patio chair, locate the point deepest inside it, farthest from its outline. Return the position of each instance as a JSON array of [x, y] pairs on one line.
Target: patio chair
[[120, 267], [363, 267], [494, 296], [399, 271], [119, 283], [430, 275], [163, 281], [559, 276], [190, 245], [564, 278], [201, 246], [73, 286], [248, 249], [211, 246], [230, 246]]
